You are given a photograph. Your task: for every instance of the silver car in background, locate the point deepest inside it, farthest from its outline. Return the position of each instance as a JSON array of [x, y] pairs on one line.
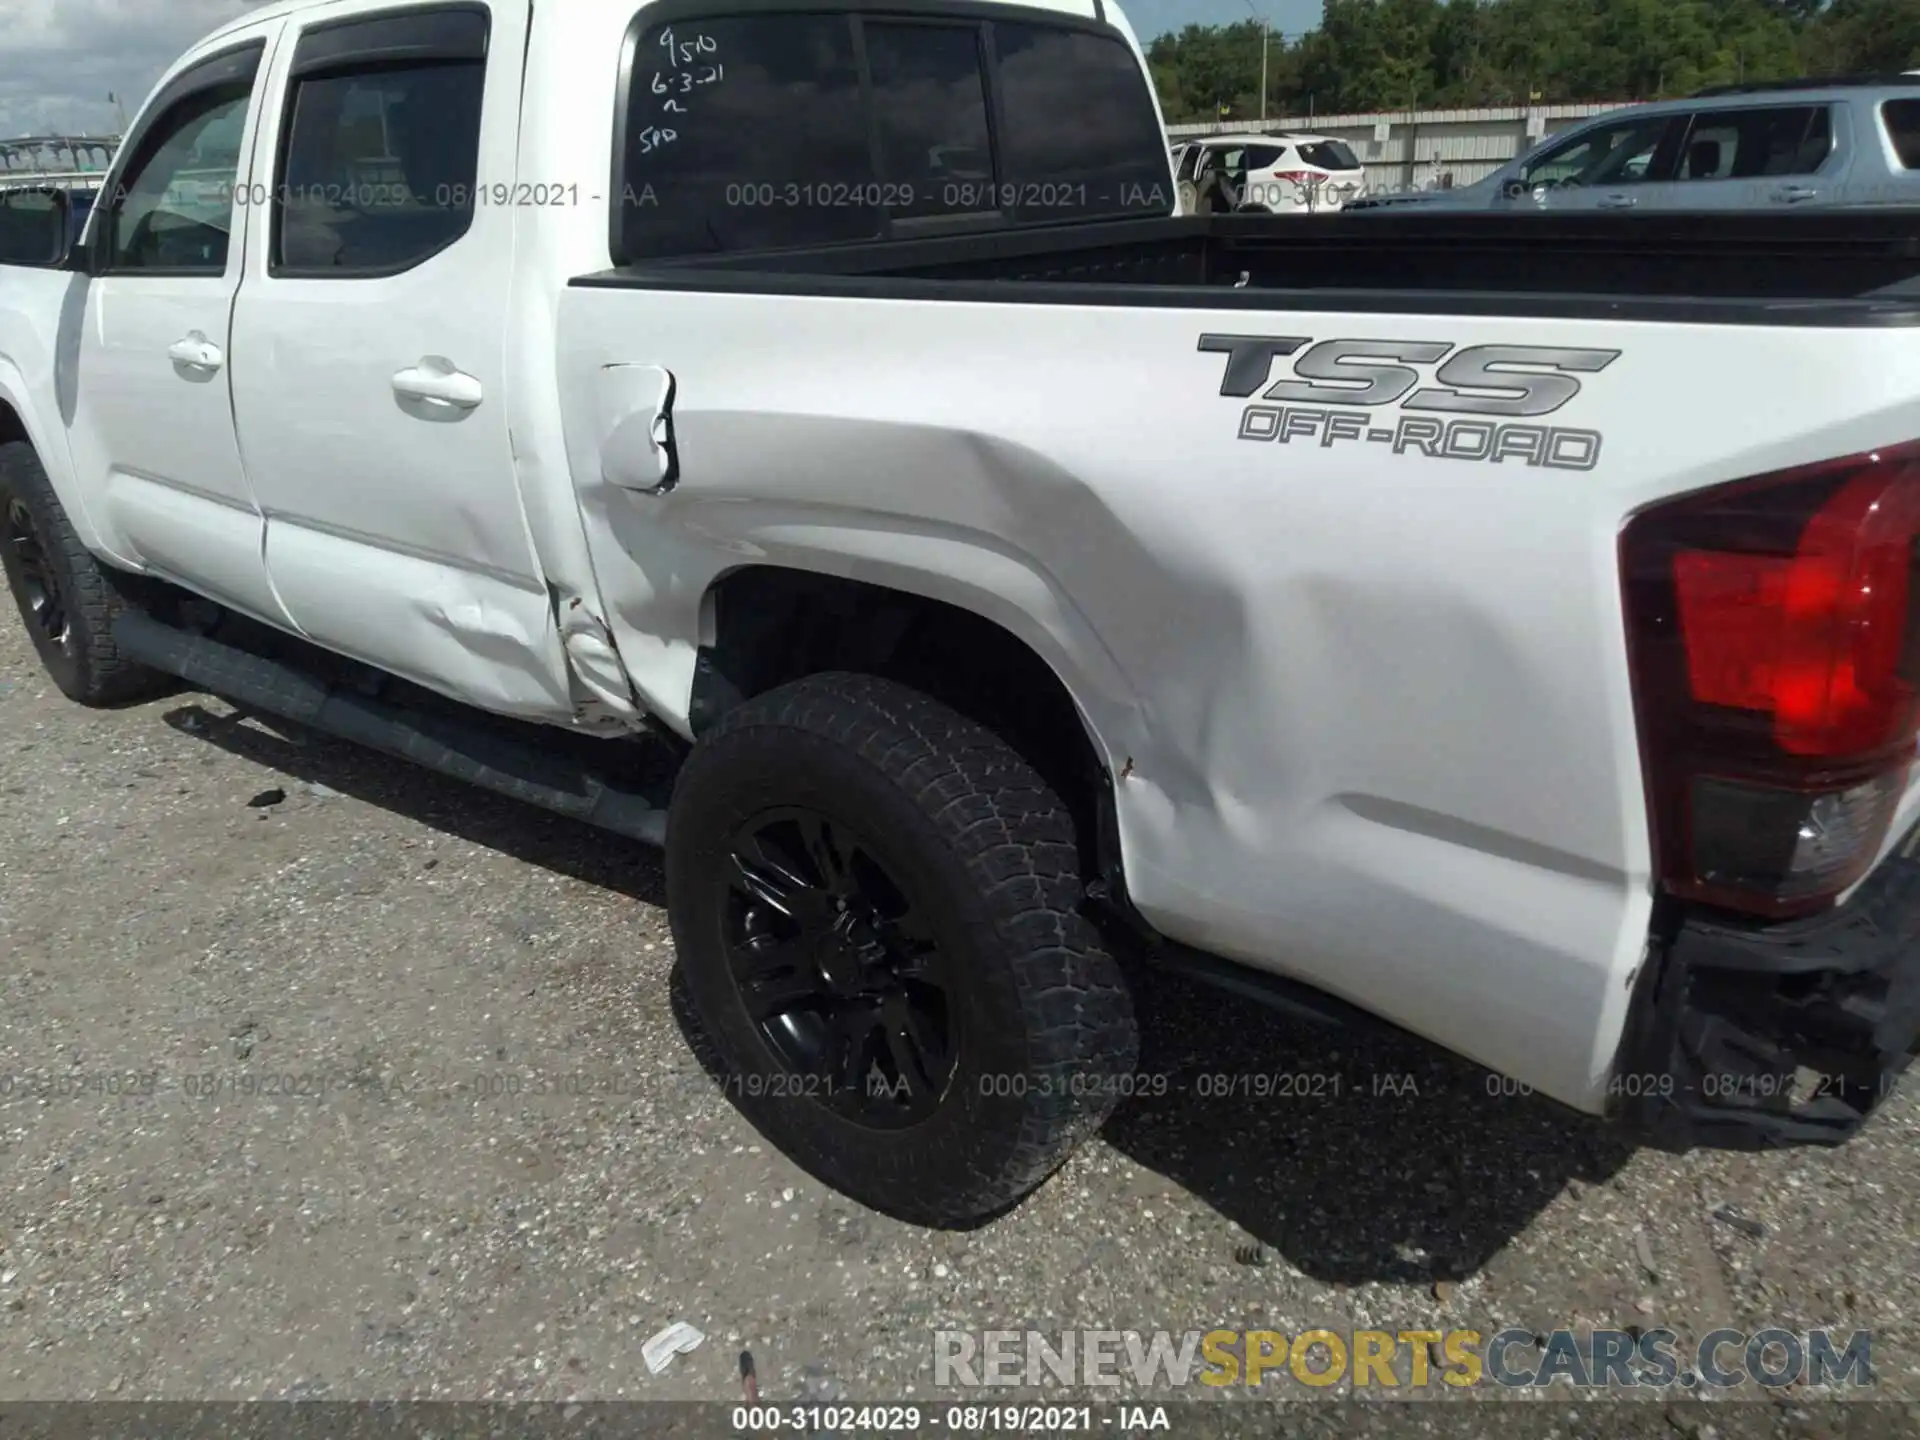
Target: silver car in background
[[1792, 143]]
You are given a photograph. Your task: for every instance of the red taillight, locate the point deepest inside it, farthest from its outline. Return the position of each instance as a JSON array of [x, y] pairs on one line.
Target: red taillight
[[1775, 627]]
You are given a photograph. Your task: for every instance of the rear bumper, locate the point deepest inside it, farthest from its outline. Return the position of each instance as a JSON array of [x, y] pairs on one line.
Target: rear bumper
[[1752, 1036]]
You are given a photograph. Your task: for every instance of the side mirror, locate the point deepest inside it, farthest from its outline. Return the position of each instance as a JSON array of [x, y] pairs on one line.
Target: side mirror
[[36, 227]]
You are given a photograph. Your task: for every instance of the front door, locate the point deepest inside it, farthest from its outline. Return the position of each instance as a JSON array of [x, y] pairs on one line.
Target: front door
[[1608, 166], [153, 439], [373, 323]]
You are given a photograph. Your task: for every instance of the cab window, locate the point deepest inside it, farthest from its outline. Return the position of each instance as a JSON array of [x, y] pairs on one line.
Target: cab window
[[862, 125], [382, 149], [172, 206]]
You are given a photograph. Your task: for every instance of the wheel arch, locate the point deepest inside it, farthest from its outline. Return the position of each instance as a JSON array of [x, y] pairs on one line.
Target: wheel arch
[[765, 625], [18, 426]]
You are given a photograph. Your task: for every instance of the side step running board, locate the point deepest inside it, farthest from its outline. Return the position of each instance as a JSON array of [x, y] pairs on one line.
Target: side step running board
[[465, 750]]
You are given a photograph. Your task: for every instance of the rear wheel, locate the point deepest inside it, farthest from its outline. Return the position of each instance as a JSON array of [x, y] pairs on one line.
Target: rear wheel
[[68, 600], [876, 903]]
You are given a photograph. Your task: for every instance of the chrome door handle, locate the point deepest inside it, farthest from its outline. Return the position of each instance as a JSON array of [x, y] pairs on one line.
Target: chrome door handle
[[435, 379], [1618, 202], [1792, 194], [196, 352]]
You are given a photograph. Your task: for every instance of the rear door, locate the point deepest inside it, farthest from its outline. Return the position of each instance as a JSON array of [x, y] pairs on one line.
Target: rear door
[[373, 329], [152, 429], [1273, 179], [1763, 157], [1344, 177]]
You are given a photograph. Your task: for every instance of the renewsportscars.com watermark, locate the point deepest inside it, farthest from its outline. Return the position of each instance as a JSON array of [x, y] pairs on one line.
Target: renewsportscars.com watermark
[[1387, 1359]]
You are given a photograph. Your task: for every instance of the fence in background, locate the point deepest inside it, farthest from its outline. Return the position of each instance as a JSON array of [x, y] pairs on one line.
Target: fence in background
[[1401, 150], [1413, 149]]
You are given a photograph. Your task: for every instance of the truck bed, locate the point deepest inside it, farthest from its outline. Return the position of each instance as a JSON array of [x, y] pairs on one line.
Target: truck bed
[[1851, 267], [1370, 700]]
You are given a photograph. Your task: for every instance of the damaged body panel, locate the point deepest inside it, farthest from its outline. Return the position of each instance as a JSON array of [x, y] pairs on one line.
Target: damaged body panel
[[1357, 610], [1342, 751]]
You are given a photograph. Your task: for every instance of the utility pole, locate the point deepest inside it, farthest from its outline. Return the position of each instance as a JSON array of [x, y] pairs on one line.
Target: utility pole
[[1266, 27]]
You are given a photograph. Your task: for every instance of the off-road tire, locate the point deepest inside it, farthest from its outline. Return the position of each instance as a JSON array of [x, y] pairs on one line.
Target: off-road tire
[[1046, 1037], [84, 662]]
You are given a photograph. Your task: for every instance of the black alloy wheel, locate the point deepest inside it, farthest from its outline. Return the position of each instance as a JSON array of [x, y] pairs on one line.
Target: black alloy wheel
[[35, 581], [838, 967], [878, 912]]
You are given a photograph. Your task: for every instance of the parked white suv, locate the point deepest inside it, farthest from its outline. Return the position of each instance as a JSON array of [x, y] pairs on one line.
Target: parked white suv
[[1282, 174]]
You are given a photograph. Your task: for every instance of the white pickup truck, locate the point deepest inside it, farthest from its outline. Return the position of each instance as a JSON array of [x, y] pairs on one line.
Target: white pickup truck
[[804, 436]]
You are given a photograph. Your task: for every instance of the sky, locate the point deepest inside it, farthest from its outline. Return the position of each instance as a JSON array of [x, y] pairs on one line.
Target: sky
[[60, 59]]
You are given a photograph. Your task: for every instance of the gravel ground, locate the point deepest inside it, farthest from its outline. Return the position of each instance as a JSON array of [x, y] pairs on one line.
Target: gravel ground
[[416, 1111]]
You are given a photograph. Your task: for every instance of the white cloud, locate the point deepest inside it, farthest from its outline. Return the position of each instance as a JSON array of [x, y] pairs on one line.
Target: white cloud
[[60, 59]]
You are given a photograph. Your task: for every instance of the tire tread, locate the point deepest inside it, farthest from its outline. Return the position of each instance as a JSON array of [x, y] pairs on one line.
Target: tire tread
[[95, 596], [1016, 842]]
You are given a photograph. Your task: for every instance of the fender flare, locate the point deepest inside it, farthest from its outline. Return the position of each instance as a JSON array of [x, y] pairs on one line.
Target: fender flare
[[55, 458], [985, 577]]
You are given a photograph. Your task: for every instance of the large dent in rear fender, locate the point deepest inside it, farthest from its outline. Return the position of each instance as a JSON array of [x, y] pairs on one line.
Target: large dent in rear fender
[[959, 516], [1375, 744]]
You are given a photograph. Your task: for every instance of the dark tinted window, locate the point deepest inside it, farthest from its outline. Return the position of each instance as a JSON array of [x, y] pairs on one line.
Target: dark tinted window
[[747, 133], [379, 168], [1784, 142], [32, 228], [1081, 138], [930, 116], [750, 132], [1330, 155], [1742, 144], [1902, 119], [1259, 157]]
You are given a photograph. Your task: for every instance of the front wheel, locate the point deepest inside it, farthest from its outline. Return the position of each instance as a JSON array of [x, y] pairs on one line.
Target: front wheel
[[876, 903], [68, 600]]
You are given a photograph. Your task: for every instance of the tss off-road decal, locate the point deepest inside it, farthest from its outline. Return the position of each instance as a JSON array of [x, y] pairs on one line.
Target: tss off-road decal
[[1501, 388]]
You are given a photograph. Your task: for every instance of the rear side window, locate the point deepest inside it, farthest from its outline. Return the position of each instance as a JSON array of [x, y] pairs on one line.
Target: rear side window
[[1330, 155], [379, 169], [773, 131], [1744, 144], [1902, 119], [1261, 157], [381, 154]]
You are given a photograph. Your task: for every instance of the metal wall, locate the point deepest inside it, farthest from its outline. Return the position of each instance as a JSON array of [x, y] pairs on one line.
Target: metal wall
[[1411, 150]]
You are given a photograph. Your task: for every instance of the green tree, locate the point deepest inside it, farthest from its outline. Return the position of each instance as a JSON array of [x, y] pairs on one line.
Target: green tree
[[1409, 54]]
